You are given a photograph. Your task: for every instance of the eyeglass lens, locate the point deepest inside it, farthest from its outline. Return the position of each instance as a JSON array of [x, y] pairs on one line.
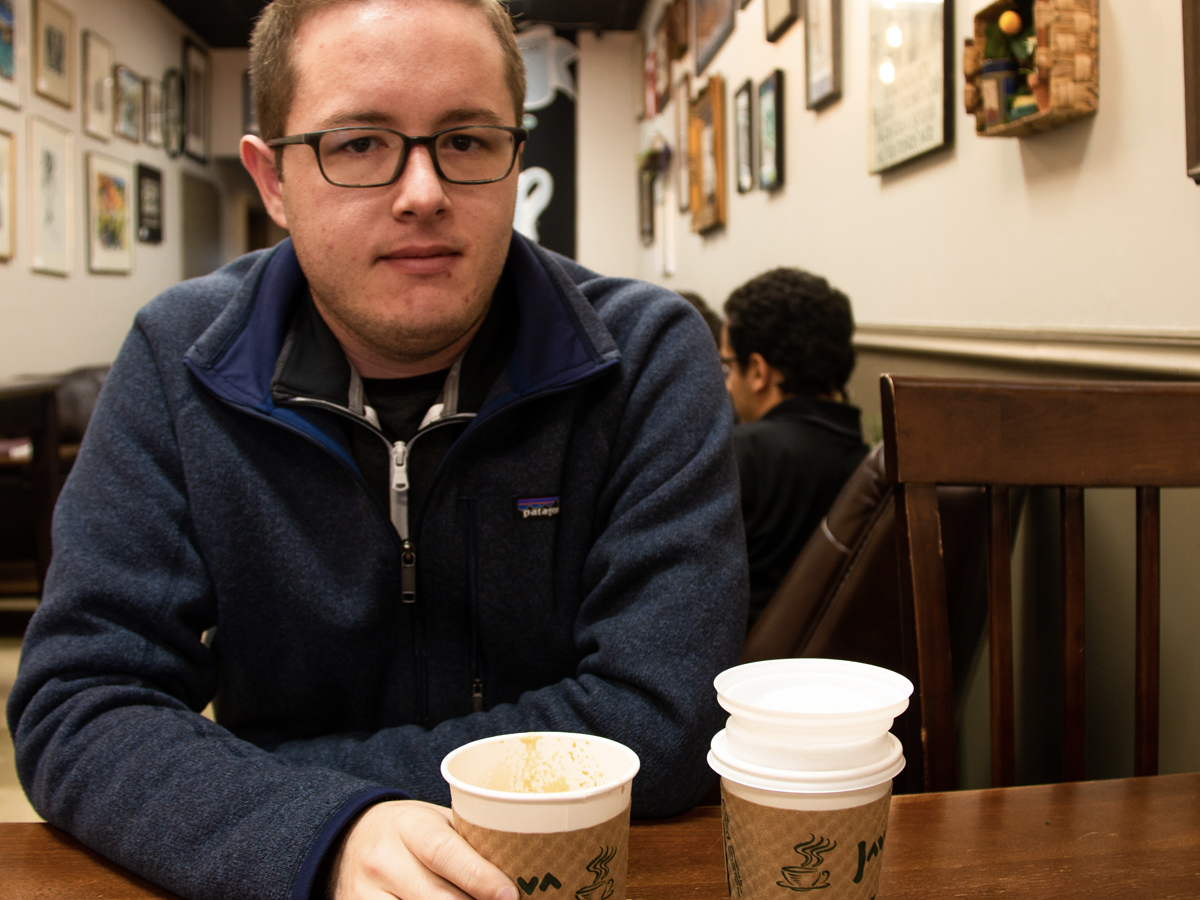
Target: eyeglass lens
[[368, 156]]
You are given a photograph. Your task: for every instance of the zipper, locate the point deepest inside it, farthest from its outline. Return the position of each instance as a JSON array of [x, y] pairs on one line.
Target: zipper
[[470, 549]]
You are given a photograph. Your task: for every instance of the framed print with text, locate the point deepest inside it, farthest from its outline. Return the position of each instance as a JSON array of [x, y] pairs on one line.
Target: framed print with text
[[822, 52], [195, 101], [110, 214], [682, 161], [911, 92], [11, 11], [743, 137], [127, 104], [54, 53], [50, 196], [149, 205], [712, 23], [172, 113], [706, 148], [154, 112], [8, 196], [780, 16], [97, 86], [770, 132]]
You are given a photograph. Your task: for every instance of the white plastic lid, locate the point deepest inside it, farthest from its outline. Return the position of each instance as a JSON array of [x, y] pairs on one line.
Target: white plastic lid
[[815, 692], [725, 763]]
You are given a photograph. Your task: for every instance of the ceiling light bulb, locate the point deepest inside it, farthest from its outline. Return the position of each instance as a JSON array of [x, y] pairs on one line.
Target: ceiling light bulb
[[893, 36], [887, 72]]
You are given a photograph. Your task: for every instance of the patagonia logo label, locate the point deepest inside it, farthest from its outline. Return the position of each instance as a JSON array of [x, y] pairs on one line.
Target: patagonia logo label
[[536, 507]]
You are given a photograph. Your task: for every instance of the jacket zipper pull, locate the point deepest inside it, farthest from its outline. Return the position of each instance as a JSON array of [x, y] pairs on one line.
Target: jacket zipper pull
[[477, 695], [408, 573]]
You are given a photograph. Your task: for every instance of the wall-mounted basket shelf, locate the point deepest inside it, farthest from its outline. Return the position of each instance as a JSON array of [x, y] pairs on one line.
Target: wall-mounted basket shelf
[[1067, 61]]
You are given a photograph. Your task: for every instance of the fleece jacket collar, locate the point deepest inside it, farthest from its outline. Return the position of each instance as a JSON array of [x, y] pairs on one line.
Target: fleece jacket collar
[[560, 340]]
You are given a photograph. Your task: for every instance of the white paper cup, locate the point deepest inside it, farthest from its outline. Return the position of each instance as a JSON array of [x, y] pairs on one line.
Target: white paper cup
[[549, 809]]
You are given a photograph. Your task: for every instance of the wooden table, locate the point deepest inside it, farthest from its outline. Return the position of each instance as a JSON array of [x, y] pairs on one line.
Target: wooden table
[[1134, 837]]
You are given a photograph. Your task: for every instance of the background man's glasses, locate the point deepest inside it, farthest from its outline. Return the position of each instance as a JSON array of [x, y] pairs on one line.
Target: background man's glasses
[[373, 157]]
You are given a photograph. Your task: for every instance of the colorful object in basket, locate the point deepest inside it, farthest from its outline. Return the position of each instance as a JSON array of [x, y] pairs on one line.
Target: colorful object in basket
[[550, 809], [806, 764]]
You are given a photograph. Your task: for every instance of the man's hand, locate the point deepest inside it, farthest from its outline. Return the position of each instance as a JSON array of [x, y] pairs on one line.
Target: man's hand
[[409, 850]]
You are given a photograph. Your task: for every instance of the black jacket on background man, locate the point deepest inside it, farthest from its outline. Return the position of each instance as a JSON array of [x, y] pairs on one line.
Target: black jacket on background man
[[793, 462]]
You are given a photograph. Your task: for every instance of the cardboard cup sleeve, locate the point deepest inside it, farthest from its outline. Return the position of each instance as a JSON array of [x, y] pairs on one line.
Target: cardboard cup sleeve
[[588, 864], [779, 853]]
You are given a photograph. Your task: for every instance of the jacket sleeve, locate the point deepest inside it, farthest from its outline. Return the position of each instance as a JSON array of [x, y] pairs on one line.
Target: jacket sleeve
[[105, 713], [664, 586]]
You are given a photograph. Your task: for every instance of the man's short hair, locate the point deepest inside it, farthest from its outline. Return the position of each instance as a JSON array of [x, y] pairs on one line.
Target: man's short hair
[[800, 324], [274, 80]]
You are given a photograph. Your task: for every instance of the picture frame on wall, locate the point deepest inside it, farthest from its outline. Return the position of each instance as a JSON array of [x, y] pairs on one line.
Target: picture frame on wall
[[646, 175], [706, 147], [11, 12], [110, 215], [8, 196], [743, 137], [822, 52], [682, 160], [97, 86], [195, 100], [677, 20], [127, 104], [50, 191], [1191, 84], [173, 113], [779, 16], [650, 83], [911, 85], [771, 132], [662, 62], [154, 112], [54, 53], [149, 204], [712, 24]]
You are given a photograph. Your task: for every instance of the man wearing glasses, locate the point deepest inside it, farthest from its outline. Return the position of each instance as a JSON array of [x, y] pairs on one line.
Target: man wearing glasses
[[405, 481]]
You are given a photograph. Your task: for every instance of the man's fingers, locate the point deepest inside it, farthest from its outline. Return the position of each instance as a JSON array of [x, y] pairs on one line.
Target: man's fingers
[[443, 851]]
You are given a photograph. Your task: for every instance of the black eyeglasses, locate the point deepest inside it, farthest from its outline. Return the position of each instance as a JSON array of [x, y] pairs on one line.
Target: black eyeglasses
[[373, 157]]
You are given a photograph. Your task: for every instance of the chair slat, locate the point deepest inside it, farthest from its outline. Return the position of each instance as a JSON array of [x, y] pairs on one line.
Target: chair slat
[[1145, 758], [922, 575], [1074, 703], [1000, 638]]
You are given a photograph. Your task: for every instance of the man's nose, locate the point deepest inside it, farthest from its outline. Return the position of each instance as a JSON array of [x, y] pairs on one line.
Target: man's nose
[[419, 190]]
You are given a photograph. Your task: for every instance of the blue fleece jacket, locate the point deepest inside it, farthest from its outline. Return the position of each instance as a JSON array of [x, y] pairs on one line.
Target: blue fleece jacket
[[213, 546]]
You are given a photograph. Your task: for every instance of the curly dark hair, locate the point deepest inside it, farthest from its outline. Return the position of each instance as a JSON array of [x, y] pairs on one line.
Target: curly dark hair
[[800, 324]]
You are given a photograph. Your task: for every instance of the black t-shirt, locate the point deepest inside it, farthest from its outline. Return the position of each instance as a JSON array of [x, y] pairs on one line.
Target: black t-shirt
[[401, 403]]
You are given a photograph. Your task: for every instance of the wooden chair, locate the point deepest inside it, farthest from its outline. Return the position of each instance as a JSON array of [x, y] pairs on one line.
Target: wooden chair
[[1069, 435]]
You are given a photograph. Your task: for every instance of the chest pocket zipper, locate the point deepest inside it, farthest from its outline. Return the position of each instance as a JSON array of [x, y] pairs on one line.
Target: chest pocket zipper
[[471, 555]]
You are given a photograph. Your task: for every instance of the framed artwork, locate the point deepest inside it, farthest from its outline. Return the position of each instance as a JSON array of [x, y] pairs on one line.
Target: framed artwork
[[646, 176], [195, 101], [682, 160], [97, 86], [54, 57], [173, 113], [10, 92], [911, 92], [780, 16], [822, 52], [50, 196], [149, 205], [127, 104], [770, 132], [706, 147], [154, 112], [662, 62], [743, 137], [1191, 83], [677, 22], [110, 214], [8, 196], [712, 23]]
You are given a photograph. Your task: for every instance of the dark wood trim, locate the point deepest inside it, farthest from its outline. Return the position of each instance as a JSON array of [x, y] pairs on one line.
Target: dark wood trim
[[1074, 680], [1145, 756], [1000, 646]]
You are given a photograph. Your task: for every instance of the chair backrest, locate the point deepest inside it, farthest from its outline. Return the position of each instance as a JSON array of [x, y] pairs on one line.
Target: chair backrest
[[1068, 435], [841, 597]]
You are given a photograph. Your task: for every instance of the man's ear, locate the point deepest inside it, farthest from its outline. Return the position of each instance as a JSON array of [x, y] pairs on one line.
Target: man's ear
[[259, 160], [758, 373]]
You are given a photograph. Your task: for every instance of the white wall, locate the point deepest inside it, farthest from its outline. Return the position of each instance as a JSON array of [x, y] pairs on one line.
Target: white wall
[[49, 323], [1091, 226]]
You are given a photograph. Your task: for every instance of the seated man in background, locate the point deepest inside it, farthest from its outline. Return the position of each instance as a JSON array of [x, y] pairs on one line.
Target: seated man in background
[[404, 481], [787, 353]]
